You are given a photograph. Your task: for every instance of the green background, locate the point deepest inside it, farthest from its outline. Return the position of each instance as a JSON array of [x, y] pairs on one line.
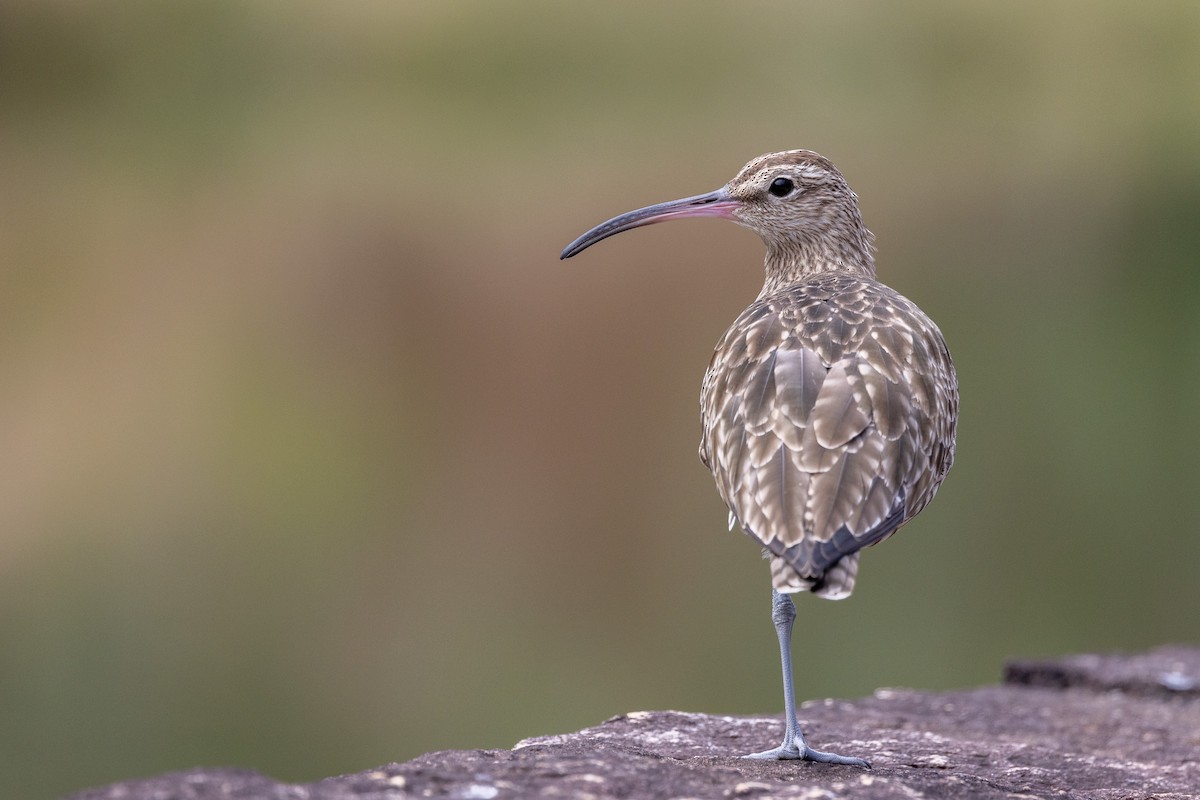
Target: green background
[[315, 457]]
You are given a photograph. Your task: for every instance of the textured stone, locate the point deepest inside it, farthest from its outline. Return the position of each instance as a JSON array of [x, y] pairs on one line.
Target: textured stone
[[1094, 727]]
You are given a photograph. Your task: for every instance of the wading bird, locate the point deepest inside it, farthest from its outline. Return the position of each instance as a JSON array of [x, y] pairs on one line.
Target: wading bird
[[829, 406]]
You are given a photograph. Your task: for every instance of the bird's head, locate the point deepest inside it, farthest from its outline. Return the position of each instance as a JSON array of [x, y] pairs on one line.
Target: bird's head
[[796, 200]]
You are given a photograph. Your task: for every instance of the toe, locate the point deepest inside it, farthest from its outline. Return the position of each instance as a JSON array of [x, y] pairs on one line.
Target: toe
[[834, 758]]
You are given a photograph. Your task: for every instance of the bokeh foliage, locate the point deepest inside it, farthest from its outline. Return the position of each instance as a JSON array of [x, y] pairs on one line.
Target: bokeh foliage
[[315, 457]]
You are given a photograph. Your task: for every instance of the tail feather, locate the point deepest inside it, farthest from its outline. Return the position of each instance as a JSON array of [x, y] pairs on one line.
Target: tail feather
[[836, 584]]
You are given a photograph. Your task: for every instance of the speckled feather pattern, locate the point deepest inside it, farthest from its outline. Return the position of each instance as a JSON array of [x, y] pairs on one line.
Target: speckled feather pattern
[[829, 407], [829, 414]]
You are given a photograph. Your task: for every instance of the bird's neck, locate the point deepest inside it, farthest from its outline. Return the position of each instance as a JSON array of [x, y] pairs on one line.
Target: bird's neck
[[795, 260]]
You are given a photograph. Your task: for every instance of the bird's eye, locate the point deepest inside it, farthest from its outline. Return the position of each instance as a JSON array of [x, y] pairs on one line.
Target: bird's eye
[[782, 187]]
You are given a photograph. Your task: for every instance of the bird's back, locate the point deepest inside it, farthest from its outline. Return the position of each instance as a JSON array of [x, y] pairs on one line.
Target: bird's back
[[829, 413]]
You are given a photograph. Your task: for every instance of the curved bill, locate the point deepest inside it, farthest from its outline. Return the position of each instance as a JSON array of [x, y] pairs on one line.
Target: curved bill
[[713, 204]]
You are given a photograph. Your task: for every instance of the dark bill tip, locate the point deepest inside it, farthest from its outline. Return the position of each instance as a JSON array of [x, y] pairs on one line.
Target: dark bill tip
[[713, 204]]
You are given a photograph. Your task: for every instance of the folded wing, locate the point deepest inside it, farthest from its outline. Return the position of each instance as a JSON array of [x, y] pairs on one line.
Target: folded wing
[[824, 415]]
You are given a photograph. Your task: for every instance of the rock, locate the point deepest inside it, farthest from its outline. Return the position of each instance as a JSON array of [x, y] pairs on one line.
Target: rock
[[1095, 727], [1165, 671]]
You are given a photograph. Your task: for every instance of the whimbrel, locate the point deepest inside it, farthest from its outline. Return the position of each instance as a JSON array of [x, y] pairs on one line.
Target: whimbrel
[[829, 406]]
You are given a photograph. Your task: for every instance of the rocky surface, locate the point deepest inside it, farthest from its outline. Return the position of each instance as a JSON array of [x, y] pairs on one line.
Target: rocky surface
[[1097, 727]]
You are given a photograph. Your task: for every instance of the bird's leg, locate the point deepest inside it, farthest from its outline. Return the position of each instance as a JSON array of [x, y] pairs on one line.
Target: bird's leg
[[783, 614]]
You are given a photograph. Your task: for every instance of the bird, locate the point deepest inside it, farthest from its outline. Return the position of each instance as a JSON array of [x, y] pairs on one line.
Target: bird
[[830, 405]]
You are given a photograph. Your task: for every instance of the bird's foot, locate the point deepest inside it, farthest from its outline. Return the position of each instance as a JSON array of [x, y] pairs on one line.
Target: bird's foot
[[798, 750]]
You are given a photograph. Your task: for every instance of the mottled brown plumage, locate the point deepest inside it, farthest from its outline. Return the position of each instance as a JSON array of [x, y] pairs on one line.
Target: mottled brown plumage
[[828, 413], [829, 407]]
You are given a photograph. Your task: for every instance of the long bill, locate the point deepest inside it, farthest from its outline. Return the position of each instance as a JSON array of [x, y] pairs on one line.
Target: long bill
[[713, 204]]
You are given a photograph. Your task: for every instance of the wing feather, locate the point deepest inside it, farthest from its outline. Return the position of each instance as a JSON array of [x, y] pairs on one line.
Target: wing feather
[[838, 415], [828, 414]]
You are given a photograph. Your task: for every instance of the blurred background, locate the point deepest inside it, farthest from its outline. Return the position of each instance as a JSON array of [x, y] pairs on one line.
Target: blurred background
[[315, 456]]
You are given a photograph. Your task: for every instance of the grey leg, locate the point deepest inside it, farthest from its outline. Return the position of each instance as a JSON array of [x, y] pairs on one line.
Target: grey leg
[[783, 614]]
